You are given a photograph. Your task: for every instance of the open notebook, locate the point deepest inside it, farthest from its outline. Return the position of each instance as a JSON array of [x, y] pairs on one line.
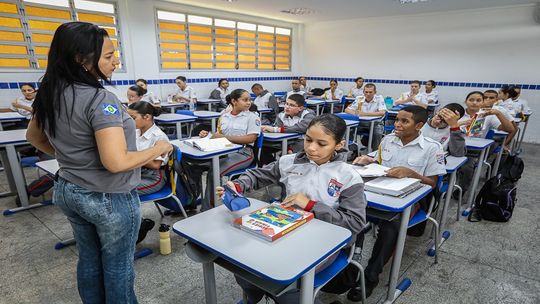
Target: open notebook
[[399, 187], [208, 144], [371, 170]]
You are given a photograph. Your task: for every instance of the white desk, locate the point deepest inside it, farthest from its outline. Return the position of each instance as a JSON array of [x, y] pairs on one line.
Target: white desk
[[208, 102], [476, 144], [173, 105], [285, 261], [13, 169], [265, 110], [282, 137], [195, 153], [371, 120], [350, 124], [10, 117], [177, 119], [315, 103], [208, 115], [402, 205]]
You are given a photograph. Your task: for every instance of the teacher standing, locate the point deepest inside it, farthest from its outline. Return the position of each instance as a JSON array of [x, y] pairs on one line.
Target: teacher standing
[[93, 138]]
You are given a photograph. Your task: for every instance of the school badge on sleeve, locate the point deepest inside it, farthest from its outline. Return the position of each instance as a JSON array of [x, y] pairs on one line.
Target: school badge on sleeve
[[334, 188], [110, 109]]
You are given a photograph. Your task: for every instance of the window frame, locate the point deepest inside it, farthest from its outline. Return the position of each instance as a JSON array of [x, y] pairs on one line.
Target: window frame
[[214, 44]]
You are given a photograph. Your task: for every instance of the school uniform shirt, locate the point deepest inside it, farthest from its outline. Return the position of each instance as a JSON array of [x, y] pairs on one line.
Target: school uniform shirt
[[491, 122], [510, 106], [220, 93], [375, 105], [149, 138], [151, 98], [521, 105], [423, 155], [356, 92], [296, 92], [263, 99], [243, 123], [434, 95], [504, 112], [188, 93], [294, 124], [24, 102], [421, 97], [451, 141], [338, 93], [335, 189], [306, 88]]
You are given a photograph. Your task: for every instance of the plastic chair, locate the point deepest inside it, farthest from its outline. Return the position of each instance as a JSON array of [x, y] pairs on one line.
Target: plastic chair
[[254, 163], [388, 123], [165, 192]]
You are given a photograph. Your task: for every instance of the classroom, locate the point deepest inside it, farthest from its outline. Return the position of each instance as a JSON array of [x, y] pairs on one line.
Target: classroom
[[249, 151]]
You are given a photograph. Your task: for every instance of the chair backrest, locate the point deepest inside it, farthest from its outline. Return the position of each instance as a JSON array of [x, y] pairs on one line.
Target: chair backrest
[[490, 134], [185, 112], [258, 148], [347, 116], [343, 99], [437, 191]]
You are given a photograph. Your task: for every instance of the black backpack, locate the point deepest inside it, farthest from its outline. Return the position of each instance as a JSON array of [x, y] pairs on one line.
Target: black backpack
[[511, 167], [495, 201]]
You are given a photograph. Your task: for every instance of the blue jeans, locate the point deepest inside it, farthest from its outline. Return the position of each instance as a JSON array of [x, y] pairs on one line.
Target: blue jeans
[[105, 226]]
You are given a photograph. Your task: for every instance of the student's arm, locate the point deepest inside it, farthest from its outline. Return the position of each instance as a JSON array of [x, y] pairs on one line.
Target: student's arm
[[418, 101], [258, 178], [348, 110], [401, 172], [506, 125], [402, 99], [37, 138], [301, 126], [154, 164], [353, 107], [21, 106]]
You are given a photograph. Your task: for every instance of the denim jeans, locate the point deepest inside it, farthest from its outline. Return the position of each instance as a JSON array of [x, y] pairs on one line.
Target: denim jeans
[[105, 226]]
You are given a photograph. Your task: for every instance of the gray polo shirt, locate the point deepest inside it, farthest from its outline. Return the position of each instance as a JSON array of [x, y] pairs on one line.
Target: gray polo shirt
[[75, 143]]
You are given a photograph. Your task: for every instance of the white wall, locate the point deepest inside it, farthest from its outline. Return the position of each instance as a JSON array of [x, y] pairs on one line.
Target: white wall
[[139, 44], [500, 45]]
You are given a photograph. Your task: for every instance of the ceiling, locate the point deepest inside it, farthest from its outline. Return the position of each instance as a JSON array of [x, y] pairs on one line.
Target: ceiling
[[343, 9]]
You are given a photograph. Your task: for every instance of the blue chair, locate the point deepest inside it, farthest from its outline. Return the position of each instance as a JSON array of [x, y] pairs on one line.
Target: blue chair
[[254, 163], [388, 123], [29, 161], [253, 96], [185, 112]]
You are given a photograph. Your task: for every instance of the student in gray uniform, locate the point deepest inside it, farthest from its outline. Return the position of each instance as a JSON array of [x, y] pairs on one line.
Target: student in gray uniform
[[294, 119], [409, 154], [322, 183], [444, 128], [239, 126], [265, 100], [93, 138], [221, 93]]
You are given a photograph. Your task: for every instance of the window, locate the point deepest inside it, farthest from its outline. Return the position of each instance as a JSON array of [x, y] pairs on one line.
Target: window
[[27, 27], [199, 42]]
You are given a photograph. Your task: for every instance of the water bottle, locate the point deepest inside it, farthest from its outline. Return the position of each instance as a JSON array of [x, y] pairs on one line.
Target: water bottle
[[164, 239], [191, 105], [389, 102]]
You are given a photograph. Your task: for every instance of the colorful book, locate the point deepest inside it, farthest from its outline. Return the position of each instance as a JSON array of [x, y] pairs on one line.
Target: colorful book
[[476, 126], [273, 221]]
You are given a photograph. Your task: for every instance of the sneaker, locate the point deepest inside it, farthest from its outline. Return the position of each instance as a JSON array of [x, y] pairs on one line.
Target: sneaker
[[146, 225], [355, 294]]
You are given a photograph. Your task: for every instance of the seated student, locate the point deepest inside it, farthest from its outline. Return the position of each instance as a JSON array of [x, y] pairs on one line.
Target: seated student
[[185, 94], [23, 105], [135, 94], [369, 104], [304, 86], [490, 101], [323, 183], [221, 93], [432, 95], [413, 97], [356, 90], [294, 119], [295, 85], [265, 100], [153, 176], [521, 105], [513, 104], [333, 93], [444, 128], [409, 154], [240, 126], [148, 96]]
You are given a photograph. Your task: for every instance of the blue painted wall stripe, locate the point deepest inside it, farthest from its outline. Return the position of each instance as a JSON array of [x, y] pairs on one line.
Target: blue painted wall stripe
[[480, 85]]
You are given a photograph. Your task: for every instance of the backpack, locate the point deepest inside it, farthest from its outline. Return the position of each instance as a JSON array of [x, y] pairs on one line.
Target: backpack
[[511, 167], [343, 281], [40, 186], [495, 201]]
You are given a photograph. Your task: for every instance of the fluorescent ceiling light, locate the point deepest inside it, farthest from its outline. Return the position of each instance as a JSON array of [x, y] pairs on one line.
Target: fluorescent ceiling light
[[298, 11]]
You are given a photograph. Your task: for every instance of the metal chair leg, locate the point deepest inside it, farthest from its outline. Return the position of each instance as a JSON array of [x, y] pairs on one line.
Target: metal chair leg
[[460, 197], [435, 238]]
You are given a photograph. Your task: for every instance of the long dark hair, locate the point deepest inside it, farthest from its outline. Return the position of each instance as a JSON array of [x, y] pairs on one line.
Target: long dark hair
[[144, 108], [73, 44]]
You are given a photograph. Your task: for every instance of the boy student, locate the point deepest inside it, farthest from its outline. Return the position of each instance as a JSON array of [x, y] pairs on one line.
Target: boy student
[[369, 104], [356, 90], [185, 93], [490, 100], [304, 86], [409, 154], [413, 97], [296, 89], [443, 127], [432, 95], [265, 100], [294, 119]]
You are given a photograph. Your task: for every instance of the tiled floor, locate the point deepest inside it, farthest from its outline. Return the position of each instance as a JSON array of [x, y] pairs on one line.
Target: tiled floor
[[481, 263]]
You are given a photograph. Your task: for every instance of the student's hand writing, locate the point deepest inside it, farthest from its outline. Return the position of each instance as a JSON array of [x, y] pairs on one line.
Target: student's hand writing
[[164, 147], [267, 129], [220, 190], [298, 199], [400, 172], [203, 133], [364, 160], [450, 117]]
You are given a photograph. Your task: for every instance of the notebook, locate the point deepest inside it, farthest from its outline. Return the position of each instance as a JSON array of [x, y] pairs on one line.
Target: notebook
[[392, 186], [273, 221], [371, 170], [207, 144]]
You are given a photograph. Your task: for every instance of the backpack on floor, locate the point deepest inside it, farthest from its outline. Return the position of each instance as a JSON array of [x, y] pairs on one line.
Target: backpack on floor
[[495, 201], [511, 167]]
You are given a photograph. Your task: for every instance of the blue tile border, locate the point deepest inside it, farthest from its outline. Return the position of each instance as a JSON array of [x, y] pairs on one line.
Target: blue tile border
[[15, 85]]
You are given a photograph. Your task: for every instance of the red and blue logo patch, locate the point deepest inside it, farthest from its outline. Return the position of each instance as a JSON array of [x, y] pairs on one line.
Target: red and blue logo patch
[[334, 188]]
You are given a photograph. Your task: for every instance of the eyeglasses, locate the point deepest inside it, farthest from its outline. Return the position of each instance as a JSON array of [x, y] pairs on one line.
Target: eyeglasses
[[290, 105]]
